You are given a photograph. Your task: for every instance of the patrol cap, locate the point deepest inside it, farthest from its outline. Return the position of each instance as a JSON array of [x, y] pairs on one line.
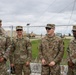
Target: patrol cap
[[74, 28], [50, 26], [19, 28]]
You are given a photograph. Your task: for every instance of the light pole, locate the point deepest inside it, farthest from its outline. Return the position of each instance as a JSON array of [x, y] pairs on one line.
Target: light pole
[[28, 29]]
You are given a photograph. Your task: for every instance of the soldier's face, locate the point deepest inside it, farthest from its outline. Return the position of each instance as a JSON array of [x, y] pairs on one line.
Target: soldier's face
[[19, 32], [50, 31]]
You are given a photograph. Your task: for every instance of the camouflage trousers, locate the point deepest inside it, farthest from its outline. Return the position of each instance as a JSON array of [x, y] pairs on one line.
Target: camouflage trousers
[[71, 71], [3, 69], [55, 70], [19, 68]]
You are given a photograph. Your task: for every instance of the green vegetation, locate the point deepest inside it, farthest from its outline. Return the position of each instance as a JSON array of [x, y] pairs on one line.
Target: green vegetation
[[66, 42], [35, 44]]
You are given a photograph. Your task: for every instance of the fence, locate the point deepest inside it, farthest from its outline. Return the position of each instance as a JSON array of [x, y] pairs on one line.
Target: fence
[[40, 30]]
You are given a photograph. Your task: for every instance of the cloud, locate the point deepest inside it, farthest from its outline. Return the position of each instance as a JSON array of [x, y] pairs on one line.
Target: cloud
[[37, 12]]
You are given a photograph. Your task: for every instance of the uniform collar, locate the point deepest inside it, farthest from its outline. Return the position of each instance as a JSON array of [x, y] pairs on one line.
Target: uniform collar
[[19, 38], [49, 36]]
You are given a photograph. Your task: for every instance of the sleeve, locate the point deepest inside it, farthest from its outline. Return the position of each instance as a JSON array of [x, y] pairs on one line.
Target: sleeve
[[29, 50], [9, 51], [8, 42], [40, 50], [71, 50], [60, 52], [11, 55]]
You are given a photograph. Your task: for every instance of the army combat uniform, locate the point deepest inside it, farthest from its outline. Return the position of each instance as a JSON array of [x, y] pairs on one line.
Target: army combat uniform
[[4, 43], [19, 53], [51, 49], [72, 55]]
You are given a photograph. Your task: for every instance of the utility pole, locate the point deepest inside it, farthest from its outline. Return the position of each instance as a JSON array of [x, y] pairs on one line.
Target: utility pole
[[28, 29]]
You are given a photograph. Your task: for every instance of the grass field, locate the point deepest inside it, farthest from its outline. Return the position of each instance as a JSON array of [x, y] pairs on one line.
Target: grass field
[[35, 44], [66, 42]]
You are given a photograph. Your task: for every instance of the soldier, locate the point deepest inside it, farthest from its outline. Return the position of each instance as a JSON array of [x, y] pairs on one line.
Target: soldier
[[20, 53], [72, 54], [51, 52], [0, 23], [4, 43], [3, 31]]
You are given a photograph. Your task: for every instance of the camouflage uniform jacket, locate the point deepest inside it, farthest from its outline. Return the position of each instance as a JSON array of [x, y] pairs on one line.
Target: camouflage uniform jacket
[[4, 43], [51, 49], [72, 49], [19, 51]]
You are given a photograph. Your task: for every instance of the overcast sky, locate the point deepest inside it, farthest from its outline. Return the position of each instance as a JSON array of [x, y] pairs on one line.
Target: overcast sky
[[38, 13]]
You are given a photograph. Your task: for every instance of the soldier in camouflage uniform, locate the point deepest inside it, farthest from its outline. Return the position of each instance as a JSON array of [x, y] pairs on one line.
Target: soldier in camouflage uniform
[[72, 54], [51, 52], [3, 31], [20, 53], [4, 43]]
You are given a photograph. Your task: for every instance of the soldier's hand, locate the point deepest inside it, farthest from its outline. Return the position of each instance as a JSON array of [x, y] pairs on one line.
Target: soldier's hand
[[52, 63], [27, 63], [43, 62], [70, 64], [11, 65], [1, 59]]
